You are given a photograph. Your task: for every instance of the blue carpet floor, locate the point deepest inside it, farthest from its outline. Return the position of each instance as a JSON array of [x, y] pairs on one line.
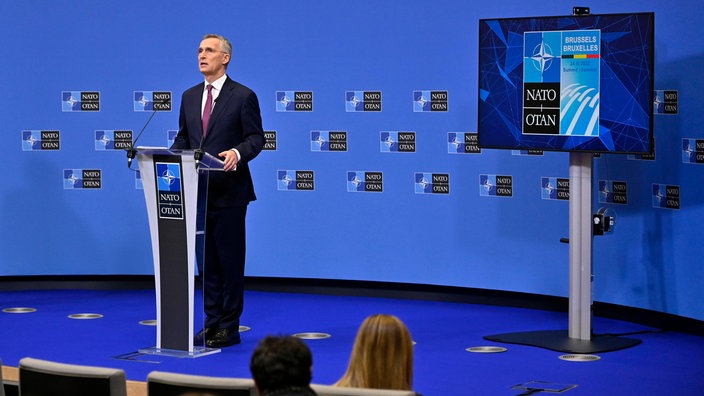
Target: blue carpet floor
[[665, 363]]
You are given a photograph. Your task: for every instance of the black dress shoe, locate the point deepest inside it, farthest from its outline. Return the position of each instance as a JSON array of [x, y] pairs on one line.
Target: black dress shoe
[[203, 336], [223, 338]]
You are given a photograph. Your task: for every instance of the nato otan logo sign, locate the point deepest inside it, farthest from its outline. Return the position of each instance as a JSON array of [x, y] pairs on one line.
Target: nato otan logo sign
[[328, 141], [292, 180], [495, 185], [561, 74], [693, 151], [397, 142], [429, 101], [169, 190], [432, 183], [77, 101], [39, 140], [666, 196], [112, 140], [361, 181], [152, 101], [361, 101], [270, 141], [615, 192], [463, 143], [77, 179], [555, 188], [293, 101], [666, 102]]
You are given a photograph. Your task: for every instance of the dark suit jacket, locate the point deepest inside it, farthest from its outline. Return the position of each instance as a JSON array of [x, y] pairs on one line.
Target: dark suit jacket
[[235, 122]]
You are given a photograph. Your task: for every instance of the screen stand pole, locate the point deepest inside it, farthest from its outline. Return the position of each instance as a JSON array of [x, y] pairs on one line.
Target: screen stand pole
[[580, 217], [578, 338]]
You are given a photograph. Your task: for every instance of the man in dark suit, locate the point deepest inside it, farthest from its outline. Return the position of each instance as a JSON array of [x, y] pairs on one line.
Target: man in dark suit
[[222, 117]]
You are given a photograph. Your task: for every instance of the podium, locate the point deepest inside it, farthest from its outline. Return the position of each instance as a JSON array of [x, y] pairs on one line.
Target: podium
[[170, 180]]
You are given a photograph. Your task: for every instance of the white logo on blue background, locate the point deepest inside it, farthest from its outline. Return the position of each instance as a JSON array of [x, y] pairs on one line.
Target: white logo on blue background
[[168, 176]]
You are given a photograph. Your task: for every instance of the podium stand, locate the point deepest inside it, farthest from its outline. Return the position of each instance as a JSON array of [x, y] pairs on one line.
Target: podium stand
[[170, 181]]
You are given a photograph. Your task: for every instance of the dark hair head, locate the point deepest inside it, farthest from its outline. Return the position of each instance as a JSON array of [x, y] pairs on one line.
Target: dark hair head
[[281, 362]]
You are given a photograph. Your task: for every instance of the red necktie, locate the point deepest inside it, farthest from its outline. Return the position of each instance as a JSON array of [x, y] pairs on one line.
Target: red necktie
[[208, 109]]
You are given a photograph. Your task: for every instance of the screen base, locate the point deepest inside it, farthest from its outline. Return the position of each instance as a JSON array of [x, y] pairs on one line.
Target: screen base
[[558, 340]]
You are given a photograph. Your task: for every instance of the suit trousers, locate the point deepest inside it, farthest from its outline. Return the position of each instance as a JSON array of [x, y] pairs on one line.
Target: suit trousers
[[223, 272]]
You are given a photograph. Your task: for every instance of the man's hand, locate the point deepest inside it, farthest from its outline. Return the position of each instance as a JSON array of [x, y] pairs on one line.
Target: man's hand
[[230, 160]]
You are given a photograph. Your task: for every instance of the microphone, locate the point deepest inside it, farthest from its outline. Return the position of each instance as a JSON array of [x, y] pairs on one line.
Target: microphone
[[131, 152]]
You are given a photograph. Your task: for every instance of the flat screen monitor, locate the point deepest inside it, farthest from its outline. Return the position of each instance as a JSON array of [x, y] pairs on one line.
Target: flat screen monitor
[[567, 83]]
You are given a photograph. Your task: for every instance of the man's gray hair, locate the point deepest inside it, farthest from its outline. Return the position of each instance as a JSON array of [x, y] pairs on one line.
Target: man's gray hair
[[225, 45]]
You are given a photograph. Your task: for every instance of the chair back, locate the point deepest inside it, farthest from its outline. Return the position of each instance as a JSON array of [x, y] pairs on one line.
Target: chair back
[[161, 383], [2, 384], [325, 390], [45, 378]]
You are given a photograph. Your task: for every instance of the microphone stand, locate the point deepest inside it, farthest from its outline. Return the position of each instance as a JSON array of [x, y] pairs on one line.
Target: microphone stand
[[131, 152]]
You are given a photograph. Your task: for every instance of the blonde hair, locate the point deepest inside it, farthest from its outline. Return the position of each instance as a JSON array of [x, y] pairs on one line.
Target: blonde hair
[[382, 355]]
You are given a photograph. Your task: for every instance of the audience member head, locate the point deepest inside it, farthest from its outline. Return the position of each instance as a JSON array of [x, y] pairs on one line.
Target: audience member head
[[382, 355], [281, 363]]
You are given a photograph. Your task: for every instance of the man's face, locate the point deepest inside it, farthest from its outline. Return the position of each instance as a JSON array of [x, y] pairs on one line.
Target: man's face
[[211, 58]]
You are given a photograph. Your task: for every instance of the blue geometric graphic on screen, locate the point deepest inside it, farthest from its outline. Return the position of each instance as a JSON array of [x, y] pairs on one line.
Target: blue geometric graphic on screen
[[31, 140], [498, 31], [580, 108], [168, 177]]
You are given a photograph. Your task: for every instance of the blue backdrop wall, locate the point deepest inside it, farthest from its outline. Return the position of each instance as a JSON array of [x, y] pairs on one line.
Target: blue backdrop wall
[[469, 237]]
